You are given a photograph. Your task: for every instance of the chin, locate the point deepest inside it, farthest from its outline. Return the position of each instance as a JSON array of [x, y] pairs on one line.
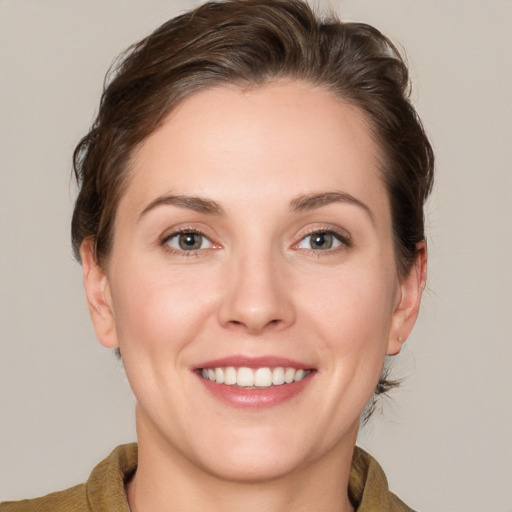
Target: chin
[[246, 454], [261, 467], [251, 455]]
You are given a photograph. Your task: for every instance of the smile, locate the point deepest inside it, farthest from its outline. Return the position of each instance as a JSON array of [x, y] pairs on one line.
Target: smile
[[263, 377]]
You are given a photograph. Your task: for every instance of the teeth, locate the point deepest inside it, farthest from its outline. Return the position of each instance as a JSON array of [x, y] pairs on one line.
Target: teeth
[[299, 375], [289, 375], [230, 376], [278, 376], [219, 375], [245, 377], [263, 377], [249, 377]]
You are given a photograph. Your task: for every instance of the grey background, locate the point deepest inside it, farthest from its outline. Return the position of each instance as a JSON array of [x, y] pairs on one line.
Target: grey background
[[444, 439]]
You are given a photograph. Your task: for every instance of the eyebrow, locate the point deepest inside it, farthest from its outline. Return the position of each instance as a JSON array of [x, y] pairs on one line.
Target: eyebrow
[[313, 201], [299, 204], [197, 204]]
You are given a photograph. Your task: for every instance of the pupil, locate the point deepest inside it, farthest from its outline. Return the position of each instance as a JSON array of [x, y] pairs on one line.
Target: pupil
[[322, 241], [190, 241]]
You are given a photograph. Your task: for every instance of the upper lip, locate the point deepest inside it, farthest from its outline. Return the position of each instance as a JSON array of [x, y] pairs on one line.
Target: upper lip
[[239, 361]]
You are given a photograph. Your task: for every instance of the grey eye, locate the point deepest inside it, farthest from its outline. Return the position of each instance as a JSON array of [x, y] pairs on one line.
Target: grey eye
[[188, 241], [320, 241]]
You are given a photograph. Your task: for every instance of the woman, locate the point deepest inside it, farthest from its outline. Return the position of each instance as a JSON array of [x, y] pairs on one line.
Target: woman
[[250, 225]]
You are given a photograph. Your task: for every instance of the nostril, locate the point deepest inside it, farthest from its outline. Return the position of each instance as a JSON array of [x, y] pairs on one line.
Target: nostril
[[255, 327]]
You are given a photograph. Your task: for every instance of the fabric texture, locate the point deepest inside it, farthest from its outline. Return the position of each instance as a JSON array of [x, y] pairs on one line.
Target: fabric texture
[[105, 489]]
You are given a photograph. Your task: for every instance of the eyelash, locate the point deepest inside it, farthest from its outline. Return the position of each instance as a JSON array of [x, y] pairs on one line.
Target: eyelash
[[343, 239], [183, 252]]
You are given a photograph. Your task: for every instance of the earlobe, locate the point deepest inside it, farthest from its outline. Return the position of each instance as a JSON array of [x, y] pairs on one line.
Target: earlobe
[[407, 309], [99, 300]]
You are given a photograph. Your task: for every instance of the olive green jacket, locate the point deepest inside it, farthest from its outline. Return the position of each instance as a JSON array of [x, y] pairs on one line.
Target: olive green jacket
[[105, 489]]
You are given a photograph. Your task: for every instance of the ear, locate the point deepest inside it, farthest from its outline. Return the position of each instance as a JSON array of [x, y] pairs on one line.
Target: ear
[[99, 300], [408, 302]]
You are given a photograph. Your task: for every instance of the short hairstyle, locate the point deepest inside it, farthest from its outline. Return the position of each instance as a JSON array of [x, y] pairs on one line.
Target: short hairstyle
[[249, 43]]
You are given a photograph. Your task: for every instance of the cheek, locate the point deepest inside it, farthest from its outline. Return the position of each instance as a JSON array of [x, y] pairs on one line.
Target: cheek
[[159, 310], [359, 299], [352, 317], [158, 316]]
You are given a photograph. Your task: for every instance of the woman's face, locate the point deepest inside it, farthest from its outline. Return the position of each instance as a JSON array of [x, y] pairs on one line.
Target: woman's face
[[253, 246]]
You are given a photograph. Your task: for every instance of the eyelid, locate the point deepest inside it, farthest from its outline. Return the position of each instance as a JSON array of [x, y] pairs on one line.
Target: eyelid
[[340, 234], [178, 231], [174, 232]]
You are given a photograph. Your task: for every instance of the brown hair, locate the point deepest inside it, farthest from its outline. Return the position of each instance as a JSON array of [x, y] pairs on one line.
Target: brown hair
[[249, 43]]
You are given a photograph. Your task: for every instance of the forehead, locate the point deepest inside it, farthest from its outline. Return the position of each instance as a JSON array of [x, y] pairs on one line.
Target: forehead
[[277, 139]]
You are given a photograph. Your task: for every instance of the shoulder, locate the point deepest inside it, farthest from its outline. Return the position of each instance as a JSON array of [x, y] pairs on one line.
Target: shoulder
[[368, 486], [71, 499], [104, 490]]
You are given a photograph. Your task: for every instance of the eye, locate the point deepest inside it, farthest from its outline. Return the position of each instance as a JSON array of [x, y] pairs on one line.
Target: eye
[[188, 241], [322, 241]]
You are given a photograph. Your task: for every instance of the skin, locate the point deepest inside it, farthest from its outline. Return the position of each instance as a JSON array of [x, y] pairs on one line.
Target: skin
[[256, 287]]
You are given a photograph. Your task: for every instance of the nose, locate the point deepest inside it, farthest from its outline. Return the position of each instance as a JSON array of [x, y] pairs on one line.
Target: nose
[[256, 296]]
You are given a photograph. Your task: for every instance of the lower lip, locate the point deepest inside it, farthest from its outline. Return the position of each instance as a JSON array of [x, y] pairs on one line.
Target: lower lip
[[256, 398]]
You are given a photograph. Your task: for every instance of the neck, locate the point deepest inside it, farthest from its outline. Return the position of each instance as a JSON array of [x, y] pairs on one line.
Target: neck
[[167, 480]]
